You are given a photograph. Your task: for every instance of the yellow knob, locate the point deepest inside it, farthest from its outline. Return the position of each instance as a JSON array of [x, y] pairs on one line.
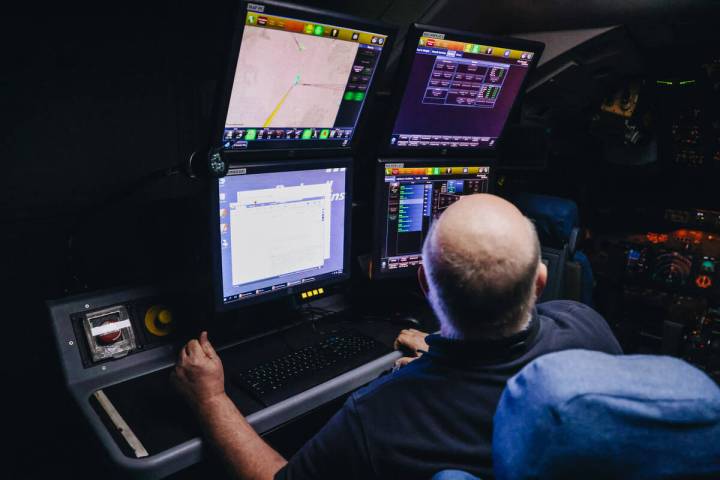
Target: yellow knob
[[159, 321], [165, 317]]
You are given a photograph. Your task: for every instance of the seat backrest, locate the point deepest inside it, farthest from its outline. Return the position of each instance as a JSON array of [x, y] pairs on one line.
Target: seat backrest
[[582, 414], [556, 222], [454, 475], [555, 260], [556, 219]]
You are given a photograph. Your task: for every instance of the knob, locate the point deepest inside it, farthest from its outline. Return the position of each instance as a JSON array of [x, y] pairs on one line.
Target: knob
[[165, 317], [159, 321]]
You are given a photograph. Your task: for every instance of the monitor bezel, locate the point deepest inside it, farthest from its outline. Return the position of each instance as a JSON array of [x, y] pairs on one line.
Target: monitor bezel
[[403, 74], [269, 167], [225, 88], [380, 225]]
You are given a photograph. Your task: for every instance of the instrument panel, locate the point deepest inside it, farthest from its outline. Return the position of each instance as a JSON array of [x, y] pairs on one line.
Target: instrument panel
[[114, 332], [660, 291], [682, 260]]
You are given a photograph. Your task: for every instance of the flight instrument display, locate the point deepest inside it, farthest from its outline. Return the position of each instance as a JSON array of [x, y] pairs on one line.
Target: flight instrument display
[[410, 198], [458, 94]]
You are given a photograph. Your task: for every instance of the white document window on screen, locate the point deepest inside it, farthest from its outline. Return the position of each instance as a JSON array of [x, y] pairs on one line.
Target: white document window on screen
[[281, 230]]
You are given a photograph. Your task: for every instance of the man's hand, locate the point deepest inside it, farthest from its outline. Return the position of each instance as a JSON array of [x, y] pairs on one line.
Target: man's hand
[[198, 374], [199, 377], [412, 342]]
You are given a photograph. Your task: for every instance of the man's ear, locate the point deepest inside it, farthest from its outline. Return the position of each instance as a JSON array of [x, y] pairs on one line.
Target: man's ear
[[422, 280], [541, 279]]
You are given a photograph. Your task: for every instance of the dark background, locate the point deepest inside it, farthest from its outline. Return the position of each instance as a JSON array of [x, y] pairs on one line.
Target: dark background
[[95, 98]]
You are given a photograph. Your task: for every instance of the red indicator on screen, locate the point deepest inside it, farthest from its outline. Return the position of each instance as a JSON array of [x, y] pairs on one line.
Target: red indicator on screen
[[703, 281]]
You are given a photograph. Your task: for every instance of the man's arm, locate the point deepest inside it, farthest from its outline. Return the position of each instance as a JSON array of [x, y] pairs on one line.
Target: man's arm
[[244, 452], [199, 376]]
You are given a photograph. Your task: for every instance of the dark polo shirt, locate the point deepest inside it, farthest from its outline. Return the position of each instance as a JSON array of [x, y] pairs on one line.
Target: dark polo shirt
[[436, 413]]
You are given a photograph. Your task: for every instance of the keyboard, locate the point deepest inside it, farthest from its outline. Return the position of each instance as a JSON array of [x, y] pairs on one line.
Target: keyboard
[[308, 366]]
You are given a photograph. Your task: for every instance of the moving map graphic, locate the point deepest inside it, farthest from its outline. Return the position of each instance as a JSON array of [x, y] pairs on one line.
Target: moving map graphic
[[285, 79]]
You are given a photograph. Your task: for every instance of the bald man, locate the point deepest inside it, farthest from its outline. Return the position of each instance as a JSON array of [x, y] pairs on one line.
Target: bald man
[[482, 275]]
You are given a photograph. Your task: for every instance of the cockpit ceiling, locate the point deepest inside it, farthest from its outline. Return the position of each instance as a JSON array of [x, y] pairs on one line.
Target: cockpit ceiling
[[517, 16]]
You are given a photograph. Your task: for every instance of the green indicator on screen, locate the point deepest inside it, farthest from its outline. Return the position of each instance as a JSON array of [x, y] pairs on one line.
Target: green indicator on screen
[[307, 134], [251, 134], [324, 134], [358, 96], [319, 30], [476, 49], [436, 171], [348, 96]]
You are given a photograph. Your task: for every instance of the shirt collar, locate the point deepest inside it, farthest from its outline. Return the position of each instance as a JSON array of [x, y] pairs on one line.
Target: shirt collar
[[474, 352]]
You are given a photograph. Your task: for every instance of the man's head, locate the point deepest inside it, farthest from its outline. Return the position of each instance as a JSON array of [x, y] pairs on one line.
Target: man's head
[[481, 268]]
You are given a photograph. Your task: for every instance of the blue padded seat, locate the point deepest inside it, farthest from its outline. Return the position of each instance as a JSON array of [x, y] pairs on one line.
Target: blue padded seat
[[556, 221], [581, 414], [454, 475]]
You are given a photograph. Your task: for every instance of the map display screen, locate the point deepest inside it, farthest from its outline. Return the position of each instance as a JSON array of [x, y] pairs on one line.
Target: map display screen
[[298, 83]]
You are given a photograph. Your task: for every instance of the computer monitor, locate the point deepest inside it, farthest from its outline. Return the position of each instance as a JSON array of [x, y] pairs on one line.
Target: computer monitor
[[299, 79], [409, 198], [456, 90], [281, 229]]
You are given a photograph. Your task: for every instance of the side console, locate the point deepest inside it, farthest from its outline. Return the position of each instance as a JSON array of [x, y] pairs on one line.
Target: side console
[[117, 350]]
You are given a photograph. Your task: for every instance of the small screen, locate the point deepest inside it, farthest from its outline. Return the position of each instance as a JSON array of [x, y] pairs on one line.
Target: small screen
[[458, 94], [299, 83], [411, 198], [280, 229]]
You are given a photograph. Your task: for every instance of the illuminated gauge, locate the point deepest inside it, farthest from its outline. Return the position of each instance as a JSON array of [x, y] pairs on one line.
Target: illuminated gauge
[[653, 237], [672, 269], [703, 281], [697, 237], [636, 263], [708, 265], [689, 236]]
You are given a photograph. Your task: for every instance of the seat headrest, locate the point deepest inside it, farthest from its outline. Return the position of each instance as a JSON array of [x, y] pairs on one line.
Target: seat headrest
[[587, 414], [554, 217]]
